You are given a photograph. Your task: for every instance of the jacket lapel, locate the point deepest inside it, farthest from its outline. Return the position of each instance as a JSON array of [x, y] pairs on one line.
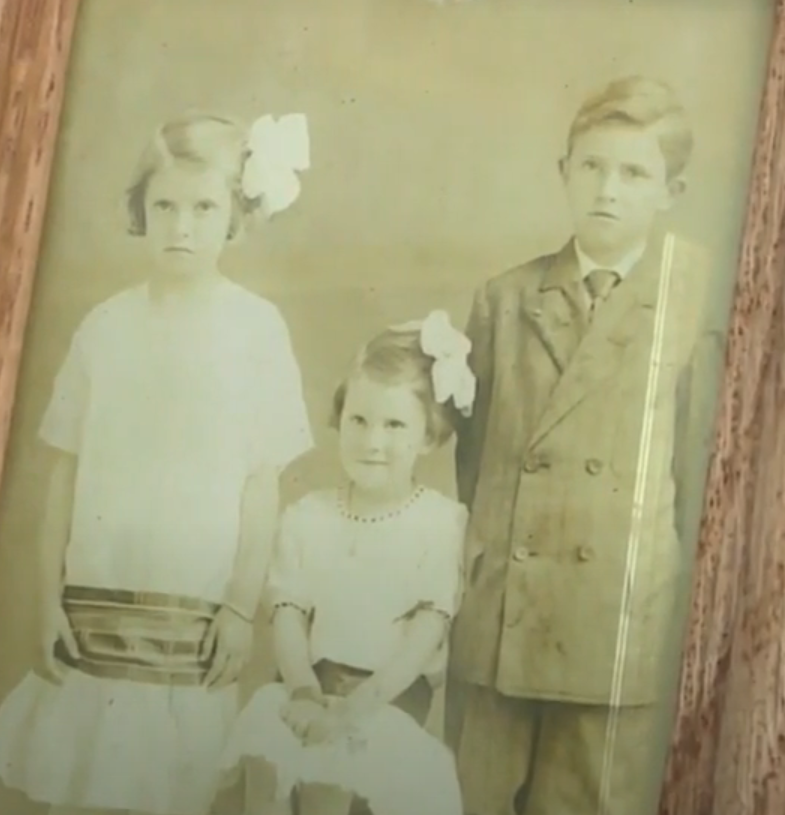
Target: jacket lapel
[[558, 315], [602, 347]]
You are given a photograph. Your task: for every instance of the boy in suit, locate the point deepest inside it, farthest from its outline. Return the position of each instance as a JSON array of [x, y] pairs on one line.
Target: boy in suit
[[590, 363]]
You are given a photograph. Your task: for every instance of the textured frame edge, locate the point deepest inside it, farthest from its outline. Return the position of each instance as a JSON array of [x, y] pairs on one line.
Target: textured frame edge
[[729, 733], [724, 753], [35, 43]]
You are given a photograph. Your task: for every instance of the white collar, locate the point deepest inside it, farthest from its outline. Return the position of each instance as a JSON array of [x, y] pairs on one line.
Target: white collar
[[622, 268]]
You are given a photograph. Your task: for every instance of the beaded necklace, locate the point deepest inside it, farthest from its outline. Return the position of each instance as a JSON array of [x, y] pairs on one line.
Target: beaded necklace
[[345, 498], [344, 502]]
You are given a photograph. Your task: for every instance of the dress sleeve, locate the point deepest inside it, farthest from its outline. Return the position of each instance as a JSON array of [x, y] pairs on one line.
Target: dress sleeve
[[288, 583], [64, 418], [283, 430], [440, 576]]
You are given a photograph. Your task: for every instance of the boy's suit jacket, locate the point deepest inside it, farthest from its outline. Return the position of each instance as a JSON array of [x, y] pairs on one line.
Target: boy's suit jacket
[[574, 562]]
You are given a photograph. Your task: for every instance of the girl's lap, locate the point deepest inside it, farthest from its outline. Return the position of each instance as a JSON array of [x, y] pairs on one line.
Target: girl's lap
[[392, 752], [80, 693], [97, 741]]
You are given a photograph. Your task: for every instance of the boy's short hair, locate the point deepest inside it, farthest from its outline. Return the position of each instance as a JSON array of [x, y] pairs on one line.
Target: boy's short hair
[[198, 138], [641, 102]]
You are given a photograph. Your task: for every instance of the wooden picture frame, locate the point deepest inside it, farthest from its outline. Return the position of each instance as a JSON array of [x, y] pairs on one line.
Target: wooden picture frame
[[726, 749]]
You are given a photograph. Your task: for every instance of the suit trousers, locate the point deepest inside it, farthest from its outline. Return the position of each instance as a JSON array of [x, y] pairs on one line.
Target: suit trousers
[[523, 757]]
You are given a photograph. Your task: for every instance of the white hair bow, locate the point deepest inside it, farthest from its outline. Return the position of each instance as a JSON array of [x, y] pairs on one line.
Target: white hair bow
[[278, 150], [449, 348]]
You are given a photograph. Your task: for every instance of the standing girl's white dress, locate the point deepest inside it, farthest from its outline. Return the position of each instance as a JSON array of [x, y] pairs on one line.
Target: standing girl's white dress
[[169, 408], [360, 581]]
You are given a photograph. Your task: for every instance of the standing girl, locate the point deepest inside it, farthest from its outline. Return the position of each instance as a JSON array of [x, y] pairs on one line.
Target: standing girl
[[364, 585], [177, 406]]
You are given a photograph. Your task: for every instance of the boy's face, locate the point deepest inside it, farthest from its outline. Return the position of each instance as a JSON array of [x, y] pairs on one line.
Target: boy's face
[[616, 182], [188, 212]]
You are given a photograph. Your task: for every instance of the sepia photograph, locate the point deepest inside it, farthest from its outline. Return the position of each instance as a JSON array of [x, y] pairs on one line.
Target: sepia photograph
[[367, 397]]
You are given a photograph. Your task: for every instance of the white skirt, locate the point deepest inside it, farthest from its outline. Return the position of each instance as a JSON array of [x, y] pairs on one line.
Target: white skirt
[[115, 744], [395, 765]]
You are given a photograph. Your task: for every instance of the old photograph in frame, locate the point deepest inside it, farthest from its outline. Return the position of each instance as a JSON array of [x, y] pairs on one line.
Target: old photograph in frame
[[360, 439]]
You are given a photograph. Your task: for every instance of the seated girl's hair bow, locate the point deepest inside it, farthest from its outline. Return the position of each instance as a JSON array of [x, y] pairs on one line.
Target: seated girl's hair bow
[[277, 150], [449, 348]]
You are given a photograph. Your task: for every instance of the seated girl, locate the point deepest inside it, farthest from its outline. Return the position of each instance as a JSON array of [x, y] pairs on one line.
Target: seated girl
[[365, 582]]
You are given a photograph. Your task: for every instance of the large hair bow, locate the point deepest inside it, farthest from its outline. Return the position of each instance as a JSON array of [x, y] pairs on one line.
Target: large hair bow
[[449, 348], [278, 150]]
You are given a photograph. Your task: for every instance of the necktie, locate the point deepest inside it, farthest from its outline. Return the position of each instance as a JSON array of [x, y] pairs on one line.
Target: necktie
[[599, 284]]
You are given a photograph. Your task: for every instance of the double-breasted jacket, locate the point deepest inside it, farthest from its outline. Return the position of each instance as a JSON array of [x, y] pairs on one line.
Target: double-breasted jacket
[[583, 445]]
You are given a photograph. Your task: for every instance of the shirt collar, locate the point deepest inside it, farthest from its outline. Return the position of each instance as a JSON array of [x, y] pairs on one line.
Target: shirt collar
[[622, 268]]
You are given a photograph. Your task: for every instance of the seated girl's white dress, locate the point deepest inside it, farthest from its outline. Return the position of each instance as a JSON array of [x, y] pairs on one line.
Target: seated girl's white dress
[[168, 409], [361, 583]]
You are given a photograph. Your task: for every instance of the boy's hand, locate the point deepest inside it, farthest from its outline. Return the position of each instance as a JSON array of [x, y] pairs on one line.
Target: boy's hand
[[228, 644], [56, 631], [299, 714]]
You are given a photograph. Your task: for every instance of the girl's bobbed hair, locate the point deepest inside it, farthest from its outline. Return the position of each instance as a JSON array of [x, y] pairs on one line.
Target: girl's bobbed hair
[[395, 357], [203, 140]]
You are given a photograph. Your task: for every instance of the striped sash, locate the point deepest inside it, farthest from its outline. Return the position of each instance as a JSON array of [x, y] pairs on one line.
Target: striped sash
[[138, 636]]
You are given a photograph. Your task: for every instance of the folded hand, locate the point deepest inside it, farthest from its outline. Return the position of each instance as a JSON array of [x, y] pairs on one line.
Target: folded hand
[[57, 632], [228, 644], [333, 723], [299, 714]]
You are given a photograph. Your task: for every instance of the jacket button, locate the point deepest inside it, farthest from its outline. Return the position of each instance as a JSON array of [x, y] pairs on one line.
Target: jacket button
[[593, 466], [585, 553], [534, 464], [520, 554], [512, 616]]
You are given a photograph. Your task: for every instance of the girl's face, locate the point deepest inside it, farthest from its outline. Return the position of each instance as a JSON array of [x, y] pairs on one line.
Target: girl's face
[[383, 432], [188, 211]]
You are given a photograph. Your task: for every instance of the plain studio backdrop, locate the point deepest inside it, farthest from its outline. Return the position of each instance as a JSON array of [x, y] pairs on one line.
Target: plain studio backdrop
[[436, 130]]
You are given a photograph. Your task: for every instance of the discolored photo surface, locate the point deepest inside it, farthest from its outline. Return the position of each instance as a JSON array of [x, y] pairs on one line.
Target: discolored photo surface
[[366, 403]]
